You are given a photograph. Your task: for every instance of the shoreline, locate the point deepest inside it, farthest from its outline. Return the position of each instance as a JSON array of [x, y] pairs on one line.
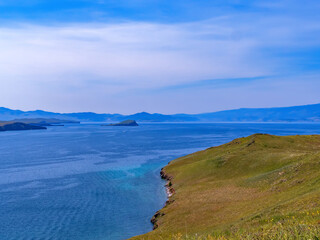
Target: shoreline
[[169, 189], [243, 188], [170, 192]]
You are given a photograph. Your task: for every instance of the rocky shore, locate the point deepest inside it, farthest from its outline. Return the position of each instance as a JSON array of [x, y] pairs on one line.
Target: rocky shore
[[170, 192]]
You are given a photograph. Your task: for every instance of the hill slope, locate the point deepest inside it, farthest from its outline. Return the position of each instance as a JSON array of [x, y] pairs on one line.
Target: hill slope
[[257, 187]]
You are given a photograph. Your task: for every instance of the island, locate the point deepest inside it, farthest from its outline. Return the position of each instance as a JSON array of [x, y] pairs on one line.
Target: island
[[130, 123], [256, 187]]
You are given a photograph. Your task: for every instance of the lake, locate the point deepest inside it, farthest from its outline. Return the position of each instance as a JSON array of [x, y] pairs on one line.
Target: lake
[[85, 181]]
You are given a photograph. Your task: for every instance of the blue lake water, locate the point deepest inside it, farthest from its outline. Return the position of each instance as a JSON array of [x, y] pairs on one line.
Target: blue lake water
[[82, 182]]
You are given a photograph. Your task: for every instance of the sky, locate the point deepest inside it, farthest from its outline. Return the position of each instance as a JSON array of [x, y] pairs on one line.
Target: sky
[[190, 56]]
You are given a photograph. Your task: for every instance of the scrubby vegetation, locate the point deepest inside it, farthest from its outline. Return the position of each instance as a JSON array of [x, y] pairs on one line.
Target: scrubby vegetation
[[257, 187]]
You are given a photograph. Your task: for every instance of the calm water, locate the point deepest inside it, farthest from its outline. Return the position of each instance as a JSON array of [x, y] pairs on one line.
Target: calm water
[[85, 181]]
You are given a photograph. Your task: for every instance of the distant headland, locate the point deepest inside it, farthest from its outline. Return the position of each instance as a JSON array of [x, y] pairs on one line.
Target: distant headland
[[32, 124], [15, 126]]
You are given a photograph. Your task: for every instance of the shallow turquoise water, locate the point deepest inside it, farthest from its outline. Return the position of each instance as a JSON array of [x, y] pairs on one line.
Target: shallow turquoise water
[[85, 181]]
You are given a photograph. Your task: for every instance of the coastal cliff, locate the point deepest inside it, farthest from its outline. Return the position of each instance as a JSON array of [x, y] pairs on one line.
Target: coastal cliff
[[258, 187]]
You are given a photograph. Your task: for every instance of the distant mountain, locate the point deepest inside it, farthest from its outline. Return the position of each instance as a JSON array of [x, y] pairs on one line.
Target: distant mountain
[[7, 114], [44, 121], [307, 113]]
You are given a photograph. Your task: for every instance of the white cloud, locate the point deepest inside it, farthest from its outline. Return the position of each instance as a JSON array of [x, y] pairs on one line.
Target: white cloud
[[89, 63], [152, 54]]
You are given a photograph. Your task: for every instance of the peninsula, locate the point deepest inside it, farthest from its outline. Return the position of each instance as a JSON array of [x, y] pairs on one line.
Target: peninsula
[[32, 123], [15, 126], [45, 121], [257, 187]]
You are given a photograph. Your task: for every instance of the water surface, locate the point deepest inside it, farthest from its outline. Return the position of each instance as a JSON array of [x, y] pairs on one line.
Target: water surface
[[85, 181]]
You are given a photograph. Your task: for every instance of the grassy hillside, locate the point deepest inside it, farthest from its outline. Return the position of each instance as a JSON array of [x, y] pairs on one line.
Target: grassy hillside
[[257, 187]]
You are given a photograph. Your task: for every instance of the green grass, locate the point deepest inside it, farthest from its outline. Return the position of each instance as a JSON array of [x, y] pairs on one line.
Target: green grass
[[258, 187]]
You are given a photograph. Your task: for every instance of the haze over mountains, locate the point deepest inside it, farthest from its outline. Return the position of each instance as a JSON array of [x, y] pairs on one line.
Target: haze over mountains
[[306, 113]]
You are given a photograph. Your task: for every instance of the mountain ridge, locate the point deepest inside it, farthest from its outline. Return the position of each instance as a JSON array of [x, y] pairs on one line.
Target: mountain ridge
[[303, 113]]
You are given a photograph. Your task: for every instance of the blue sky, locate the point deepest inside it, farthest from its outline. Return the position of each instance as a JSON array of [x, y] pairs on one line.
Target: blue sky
[[158, 55]]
